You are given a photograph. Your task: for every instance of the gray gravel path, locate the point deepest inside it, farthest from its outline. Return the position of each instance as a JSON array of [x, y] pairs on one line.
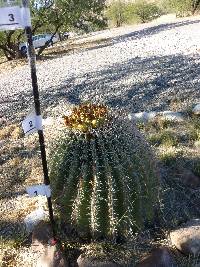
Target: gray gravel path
[[140, 69]]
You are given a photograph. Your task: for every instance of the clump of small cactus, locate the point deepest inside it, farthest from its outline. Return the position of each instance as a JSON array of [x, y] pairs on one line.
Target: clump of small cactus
[[102, 172]]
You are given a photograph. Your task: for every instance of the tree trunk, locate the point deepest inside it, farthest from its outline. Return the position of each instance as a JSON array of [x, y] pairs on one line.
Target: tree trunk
[[8, 52], [195, 5], [41, 49], [11, 48]]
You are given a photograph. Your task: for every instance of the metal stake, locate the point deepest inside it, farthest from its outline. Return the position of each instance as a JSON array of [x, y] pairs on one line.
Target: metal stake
[[31, 54]]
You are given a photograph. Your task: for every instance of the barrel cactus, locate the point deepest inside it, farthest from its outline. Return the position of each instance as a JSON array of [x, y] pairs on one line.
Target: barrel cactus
[[102, 173]]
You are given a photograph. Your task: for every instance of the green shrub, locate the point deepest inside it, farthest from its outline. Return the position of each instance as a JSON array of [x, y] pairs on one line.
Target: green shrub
[[146, 11], [116, 13], [180, 7], [120, 13], [103, 175]]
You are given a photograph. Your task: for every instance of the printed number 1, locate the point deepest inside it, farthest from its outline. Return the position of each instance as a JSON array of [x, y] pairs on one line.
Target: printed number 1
[[31, 124], [36, 193], [11, 17]]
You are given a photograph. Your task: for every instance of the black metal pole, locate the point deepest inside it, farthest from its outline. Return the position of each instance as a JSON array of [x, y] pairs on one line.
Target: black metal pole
[[31, 54]]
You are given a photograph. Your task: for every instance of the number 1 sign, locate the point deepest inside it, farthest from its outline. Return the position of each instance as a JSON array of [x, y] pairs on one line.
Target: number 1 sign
[[14, 14]]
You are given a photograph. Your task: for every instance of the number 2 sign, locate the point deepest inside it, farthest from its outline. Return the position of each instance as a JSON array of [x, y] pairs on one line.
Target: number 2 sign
[[14, 15], [32, 123]]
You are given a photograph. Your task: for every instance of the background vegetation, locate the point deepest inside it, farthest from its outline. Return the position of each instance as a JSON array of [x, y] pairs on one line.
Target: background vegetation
[[86, 16], [55, 17], [141, 11], [119, 12]]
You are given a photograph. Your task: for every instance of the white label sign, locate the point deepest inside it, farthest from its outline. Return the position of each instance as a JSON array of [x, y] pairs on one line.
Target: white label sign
[[13, 15], [32, 124], [39, 190]]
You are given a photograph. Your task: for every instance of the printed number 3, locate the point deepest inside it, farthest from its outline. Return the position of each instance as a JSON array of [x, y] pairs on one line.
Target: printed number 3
[[11, 17]]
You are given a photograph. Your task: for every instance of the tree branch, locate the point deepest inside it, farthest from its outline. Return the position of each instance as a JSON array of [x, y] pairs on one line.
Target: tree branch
[[195, 5], [49, 41]]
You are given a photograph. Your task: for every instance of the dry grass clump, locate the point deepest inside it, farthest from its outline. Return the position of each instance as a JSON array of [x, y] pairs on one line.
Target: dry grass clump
[[165, 138], [156, 125], [13, 131], [16, 254], [8, 254], [179, 157], [105, 251], [169, 156], [176, 143], [194, 129]]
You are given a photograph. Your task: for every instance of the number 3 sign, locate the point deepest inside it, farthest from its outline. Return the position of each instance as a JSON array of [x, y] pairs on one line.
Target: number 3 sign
[[14, 15]]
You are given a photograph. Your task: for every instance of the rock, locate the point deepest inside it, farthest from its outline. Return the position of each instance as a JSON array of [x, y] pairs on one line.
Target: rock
[[49, 253], [196, 109], [172, 116], [148, 116], [190, 179], [52, 257], [42, 233], [89, 262], [140, 116], [151, 115], [187, 237], [143, 116], [32, 219], [159, 257]]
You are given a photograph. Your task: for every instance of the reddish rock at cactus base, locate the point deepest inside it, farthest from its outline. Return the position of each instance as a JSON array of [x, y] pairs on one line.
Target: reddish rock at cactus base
[[49, 255], [159, 257], [187, 237]]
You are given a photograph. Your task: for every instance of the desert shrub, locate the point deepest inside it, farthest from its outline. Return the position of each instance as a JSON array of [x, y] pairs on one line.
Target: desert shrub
[[116, 13], [146, 11], [180, 7], [120, 13], [103, 173]]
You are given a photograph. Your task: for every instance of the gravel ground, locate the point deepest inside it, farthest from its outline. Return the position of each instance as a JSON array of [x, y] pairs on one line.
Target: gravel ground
[[141, 68]]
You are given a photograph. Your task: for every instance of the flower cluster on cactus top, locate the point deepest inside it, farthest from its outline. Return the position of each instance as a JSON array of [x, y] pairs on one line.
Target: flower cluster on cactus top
[[86, 117]]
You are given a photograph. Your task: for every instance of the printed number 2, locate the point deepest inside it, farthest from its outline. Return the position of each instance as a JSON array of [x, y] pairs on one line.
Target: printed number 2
[[11, 17]]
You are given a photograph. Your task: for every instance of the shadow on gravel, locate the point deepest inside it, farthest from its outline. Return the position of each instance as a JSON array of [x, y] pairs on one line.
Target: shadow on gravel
[[136, 85], [153, 30], [142, 33], [12, 230]]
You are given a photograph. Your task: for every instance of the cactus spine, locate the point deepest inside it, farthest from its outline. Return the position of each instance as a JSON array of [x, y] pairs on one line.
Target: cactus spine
[[102, 174]]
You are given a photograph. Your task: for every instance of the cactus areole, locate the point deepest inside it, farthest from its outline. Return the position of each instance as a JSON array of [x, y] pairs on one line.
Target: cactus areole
[[102, 173]]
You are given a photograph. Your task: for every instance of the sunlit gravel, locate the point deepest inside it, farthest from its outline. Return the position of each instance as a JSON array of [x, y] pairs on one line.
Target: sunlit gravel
[[140, 69]]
